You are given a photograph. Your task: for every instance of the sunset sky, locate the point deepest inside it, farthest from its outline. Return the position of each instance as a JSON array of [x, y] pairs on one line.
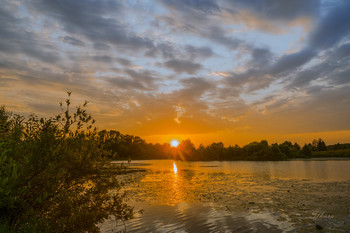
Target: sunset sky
[[234, 71]]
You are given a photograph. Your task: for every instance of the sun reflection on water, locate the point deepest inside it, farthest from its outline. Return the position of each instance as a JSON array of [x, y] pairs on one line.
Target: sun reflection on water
[[175, 168]]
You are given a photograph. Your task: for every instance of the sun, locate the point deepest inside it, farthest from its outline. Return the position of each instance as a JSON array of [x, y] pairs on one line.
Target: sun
[[174, 143]]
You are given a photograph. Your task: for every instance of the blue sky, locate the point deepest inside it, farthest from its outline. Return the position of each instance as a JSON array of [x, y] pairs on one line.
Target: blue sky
[[235, 71]]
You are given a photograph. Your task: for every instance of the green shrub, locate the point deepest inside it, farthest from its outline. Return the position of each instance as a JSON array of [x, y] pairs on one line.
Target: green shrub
[[55, 175]]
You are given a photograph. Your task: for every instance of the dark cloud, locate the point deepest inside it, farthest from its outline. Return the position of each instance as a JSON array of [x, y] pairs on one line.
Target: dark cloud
[[180, 66], [255, 79], [342, 52], [124, 83], [143, 76], [332, 70], [15, 39], [342, 77], [194, 88], [292, 61], [217, 34], [260, 57], [94, 20], [143, 80], [101, 46], [195, 52], [104, 59], [165, 49], [196, 18], [202, 6], [73, 41], [332, 28], [304, 78], [262, 72], [123, 61]]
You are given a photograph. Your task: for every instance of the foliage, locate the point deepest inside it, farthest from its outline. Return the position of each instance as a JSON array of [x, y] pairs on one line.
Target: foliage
[[339, 146], [124, 146], [55, 175], [332, 153], [321, 145], [185, 150], [306, 150]]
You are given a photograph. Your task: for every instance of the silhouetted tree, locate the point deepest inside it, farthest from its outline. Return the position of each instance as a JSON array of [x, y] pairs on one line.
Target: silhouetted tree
[[296, 146], [185, 150], [306, 151], [321, 145]]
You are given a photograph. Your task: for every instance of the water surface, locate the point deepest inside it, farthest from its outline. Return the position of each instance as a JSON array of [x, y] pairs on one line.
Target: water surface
[[237, 196]]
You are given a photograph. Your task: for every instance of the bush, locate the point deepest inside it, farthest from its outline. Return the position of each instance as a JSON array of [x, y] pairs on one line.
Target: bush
[[55, 175]]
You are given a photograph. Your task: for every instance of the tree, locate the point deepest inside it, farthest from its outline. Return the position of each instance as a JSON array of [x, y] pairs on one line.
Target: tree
[[296, 146], [321, 145], [55, 175], [285, 149], [186, 150], [306, 151]]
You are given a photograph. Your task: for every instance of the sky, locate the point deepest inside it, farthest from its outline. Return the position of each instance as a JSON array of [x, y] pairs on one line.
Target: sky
[[234, 71]]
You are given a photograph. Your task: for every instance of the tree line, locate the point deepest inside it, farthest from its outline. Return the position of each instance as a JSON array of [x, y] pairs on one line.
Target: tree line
[[124, 146]]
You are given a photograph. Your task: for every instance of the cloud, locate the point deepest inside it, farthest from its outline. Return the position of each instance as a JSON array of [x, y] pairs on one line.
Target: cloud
[[275, 9], [272, 15], [93, 19], [194, 88], [179, 111], [124, 83], [133, 62], [73, 41], [332, 28], [291, 61], [202, 52], [164, 48], [16, 40], [313, 113], [180, 66], [123, 61], [199, 18], [101, 46], [202, 6], [260, 57], [217, 34], [139, 80], [104, 59], [332, 69]]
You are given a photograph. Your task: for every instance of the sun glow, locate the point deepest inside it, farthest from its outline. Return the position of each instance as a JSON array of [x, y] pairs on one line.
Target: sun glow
[[174, 143]]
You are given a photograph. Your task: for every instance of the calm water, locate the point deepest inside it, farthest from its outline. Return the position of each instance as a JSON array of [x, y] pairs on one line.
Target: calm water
[[286, 196]]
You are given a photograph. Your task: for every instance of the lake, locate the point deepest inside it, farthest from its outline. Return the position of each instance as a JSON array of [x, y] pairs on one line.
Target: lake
[[237, 196]]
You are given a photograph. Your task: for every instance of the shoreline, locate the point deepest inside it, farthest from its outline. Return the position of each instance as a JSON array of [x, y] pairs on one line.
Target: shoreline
[[125, 161]]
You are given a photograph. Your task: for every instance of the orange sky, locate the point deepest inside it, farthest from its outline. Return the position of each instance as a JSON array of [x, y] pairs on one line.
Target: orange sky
[[243, 139]]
